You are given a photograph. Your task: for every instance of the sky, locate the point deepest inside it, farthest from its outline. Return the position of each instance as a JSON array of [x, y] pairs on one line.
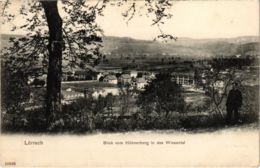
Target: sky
[[194, 19]]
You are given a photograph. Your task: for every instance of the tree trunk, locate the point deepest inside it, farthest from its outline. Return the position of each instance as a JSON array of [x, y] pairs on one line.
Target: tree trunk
[[53, 100]]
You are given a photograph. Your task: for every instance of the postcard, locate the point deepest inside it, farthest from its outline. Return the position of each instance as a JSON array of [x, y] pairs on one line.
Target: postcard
[[129, 83]]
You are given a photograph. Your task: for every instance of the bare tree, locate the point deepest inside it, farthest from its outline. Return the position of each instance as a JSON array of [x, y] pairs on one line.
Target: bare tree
[[219, 93]]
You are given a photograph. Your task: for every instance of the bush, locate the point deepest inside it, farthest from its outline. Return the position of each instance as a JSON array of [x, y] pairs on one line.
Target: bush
[[84, 116], [162, 95], [29, 121], [249, 111]]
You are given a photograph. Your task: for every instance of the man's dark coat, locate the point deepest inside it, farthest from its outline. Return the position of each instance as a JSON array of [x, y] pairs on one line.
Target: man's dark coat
[[234, 100]]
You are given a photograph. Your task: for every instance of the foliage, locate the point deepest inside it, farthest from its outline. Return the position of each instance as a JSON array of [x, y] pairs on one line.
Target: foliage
[[100, 105], [250, 105], [78, 118], [217, 93], [84, 113], [110, 100], [76, 33], [223, 63], [15, 90], [162, 95], [125, 95], [198, 106], [81, 34]]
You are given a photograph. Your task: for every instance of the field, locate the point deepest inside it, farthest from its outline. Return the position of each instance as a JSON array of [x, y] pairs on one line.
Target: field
[[80, 86], [143, 64]]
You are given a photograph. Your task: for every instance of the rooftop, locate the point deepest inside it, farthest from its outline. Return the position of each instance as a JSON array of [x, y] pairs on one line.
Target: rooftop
[[183, 73], [110, 77], [140, 80], [125, 76]]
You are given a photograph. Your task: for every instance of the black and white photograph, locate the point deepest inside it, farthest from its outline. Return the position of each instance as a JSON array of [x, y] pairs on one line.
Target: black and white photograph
[[164, 83]]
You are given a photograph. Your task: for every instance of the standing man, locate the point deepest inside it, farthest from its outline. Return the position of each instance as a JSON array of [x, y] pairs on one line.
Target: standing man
[[234, 102]]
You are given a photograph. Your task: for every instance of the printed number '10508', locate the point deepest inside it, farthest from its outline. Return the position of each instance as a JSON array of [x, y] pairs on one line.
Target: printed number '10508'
[[10, 163]]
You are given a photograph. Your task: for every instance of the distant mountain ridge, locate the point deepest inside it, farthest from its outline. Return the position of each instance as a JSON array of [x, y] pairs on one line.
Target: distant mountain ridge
[[183, 46], [189, 47]]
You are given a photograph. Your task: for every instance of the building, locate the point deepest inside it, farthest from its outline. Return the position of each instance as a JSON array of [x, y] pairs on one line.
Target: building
[[86, 75], [79, 75], [66, 75], [69, 95], [149, 75], [103, 92], [140, 83], [125, 79], [132, 73], [184, 78], [37, 80], [110, 79], [99, 75]]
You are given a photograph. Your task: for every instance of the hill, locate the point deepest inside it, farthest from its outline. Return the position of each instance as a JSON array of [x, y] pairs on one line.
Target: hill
[[183, 47]]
